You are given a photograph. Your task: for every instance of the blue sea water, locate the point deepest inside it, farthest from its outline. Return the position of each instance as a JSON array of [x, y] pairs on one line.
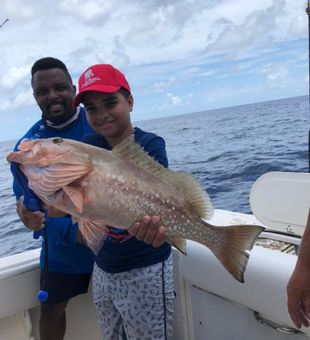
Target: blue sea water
[[225, 149]]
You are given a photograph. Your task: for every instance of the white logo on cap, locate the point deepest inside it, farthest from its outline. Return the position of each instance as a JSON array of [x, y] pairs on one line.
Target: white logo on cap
[[89, 78], [88, 74]]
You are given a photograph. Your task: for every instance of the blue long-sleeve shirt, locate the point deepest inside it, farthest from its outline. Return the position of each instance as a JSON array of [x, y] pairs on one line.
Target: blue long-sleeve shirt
[[65, 255]]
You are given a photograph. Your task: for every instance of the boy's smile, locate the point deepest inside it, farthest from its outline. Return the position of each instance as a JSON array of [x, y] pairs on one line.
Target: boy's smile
[[109, 114]]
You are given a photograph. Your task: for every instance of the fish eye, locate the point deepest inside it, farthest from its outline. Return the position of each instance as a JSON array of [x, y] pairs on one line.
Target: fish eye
[[57, 140]]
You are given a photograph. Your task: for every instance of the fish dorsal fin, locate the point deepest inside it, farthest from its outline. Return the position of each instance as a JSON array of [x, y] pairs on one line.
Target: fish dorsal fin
[[133, 152], [195, 196]]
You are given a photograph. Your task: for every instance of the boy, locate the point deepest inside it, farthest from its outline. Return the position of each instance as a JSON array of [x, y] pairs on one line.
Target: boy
[[132, 281]]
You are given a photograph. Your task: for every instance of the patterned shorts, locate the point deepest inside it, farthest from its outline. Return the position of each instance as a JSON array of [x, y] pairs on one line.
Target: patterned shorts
[[136, 304]]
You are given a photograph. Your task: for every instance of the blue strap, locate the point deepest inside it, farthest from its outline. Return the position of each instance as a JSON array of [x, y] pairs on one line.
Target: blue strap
[[31, 201]]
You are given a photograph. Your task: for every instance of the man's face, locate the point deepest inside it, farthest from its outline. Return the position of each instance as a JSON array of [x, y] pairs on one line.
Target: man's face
[[54, 93]]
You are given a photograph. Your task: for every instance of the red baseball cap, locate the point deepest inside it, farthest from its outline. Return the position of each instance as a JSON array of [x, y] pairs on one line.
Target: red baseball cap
[[100, 78]]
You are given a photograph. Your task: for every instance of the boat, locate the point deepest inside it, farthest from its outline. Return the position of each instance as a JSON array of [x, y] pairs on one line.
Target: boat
[[209, 302]]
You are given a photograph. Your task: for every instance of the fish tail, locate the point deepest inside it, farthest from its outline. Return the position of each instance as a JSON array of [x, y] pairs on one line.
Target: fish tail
[[230, 245]]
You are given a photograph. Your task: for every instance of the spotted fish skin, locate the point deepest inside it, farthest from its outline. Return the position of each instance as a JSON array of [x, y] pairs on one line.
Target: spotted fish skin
[[98, 187]]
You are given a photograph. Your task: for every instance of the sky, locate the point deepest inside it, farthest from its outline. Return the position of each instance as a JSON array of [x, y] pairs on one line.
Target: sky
[[179, 56]]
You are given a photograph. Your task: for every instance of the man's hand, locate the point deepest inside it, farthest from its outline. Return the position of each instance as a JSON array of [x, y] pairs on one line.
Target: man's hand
[[298, 287], [298, 296], [149, 230], [33, 220], [53, 212]]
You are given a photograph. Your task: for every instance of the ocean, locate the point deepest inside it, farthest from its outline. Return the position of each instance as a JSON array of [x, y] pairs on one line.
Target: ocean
[[225, 149]]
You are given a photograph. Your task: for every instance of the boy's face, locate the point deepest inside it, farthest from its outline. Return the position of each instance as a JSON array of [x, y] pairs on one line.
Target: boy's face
[[109, 114], [54, 94]]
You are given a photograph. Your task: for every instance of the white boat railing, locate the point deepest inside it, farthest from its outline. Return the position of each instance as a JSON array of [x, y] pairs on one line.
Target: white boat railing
[[209, 303]]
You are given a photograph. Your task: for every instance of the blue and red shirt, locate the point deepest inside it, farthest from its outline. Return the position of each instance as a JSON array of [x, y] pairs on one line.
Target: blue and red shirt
[[120, 251]]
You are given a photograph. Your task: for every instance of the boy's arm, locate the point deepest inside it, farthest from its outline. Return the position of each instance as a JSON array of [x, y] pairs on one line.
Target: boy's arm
[[298, 287]]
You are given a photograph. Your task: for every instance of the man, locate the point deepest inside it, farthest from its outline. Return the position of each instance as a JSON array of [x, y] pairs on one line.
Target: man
[[298, 288], [69, 265]]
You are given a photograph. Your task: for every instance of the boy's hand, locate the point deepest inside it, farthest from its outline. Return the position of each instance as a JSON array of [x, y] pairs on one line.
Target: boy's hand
[[149, 230], [33, 220]]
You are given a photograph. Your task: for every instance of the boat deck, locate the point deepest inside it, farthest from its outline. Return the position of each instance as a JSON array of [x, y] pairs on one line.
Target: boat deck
[[209, 303]]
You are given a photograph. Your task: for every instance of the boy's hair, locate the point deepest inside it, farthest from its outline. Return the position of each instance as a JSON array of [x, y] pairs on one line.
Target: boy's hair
[[47, 64], [125, 93]]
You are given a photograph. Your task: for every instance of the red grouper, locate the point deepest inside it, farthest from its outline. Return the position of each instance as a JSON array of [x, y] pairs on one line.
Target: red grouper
[[98, 187]]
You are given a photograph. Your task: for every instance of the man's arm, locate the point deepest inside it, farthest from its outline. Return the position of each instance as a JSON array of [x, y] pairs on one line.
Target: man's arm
[[298, 287], [33, 220]]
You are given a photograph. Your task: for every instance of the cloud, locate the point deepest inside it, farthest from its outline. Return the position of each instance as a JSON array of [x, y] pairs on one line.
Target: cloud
[[276, 74], [22, 99], [277, 78], [175, 101], [18, 9], [15, 75], [89, 11], [243, 25], [167, 48], [163, 85]]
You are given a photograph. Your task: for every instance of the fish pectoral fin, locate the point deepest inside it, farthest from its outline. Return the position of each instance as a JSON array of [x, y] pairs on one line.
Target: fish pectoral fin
[[178, 243], [94, 233], [76, 195]]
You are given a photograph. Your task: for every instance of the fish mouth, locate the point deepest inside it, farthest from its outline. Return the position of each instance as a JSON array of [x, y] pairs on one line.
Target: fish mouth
[[33, 151], [26, 149]]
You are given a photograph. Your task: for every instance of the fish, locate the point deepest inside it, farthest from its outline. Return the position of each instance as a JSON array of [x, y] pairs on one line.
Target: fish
[[101, 188]]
